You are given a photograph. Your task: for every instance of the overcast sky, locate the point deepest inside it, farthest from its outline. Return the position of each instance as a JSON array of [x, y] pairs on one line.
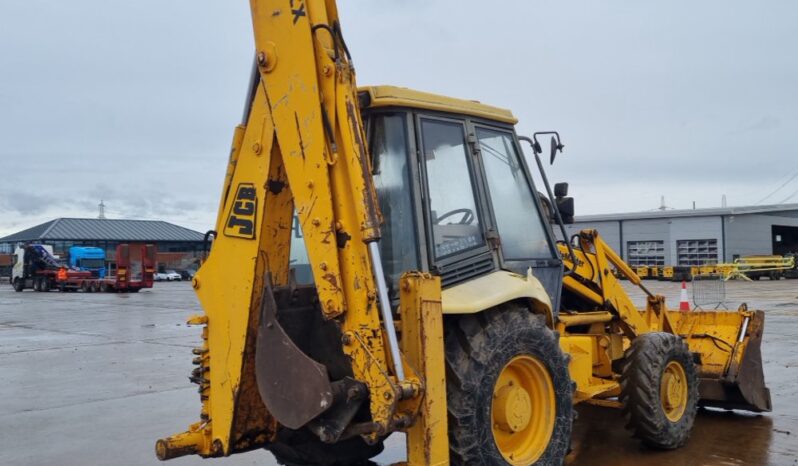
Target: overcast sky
[[134, 102]]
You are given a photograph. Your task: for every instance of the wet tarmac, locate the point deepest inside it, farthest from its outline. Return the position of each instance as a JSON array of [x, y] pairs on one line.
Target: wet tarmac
[[96, 378]]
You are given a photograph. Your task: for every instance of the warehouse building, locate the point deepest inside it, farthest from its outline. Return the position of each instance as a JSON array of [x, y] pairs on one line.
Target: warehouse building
[[177, 247], [698, 236]]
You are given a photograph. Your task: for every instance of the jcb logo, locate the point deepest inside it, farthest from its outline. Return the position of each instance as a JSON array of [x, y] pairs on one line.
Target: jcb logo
[[242, 215]]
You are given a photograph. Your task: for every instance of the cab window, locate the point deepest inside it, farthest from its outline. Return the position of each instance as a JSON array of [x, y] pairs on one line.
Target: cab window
[[522, 236], [454, 217]]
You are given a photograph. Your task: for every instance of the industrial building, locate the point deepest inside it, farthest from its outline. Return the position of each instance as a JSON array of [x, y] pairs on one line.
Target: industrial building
[[698, 236], [177, 247]]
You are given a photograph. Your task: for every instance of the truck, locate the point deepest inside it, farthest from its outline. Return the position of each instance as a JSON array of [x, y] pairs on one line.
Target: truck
[[37, 268], [88, 258]]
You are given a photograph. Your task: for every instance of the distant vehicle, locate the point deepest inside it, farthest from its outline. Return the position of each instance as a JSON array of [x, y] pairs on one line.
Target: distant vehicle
[[35, 266], [88, 259], [171, 275], [160, 277], [793, 272], [186, 274]]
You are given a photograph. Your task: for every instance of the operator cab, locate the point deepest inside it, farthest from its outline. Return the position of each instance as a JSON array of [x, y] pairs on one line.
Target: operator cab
[[456, 195]]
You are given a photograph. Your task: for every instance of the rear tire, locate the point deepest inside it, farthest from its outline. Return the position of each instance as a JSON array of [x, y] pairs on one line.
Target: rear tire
[[659, 390], [492, 420], [302, 448]]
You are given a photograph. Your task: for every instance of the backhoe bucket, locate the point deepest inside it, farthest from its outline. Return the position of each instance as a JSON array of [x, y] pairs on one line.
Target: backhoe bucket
[[728, 347]]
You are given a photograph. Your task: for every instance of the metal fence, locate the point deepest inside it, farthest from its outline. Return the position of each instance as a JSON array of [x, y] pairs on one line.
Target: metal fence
[[709, 290]]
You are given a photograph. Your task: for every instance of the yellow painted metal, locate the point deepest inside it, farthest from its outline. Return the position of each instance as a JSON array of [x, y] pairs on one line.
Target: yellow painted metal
[[422, 344], [523, 410], [496, 288], [580, 349], [584, 318], [303, 147], [597, 338], [312, 99], [714, 335], [673, 391], [392, 96], [230, 298], [191, 442], [594, 280]]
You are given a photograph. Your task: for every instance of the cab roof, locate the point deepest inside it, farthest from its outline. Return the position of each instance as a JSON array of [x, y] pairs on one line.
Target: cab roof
[[392, 96]]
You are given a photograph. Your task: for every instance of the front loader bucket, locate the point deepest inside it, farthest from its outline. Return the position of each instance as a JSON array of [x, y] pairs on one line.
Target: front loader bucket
[[728, 347]]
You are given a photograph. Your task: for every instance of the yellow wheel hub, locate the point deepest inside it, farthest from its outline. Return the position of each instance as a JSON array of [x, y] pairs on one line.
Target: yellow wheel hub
[[673, 391], [523, 410]]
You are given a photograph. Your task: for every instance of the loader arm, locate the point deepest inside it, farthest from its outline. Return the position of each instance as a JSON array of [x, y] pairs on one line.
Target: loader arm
[[300, 149], [726, 344]]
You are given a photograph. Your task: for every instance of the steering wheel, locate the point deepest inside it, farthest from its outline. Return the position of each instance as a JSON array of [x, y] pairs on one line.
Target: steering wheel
[[468, 216]]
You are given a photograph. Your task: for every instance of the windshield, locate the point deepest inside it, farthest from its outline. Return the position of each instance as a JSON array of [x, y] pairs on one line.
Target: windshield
[[522, 236], [91, 263], [388, 136]]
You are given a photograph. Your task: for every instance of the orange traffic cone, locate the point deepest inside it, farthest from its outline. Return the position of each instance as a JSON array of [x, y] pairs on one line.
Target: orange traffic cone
[[684, 304]]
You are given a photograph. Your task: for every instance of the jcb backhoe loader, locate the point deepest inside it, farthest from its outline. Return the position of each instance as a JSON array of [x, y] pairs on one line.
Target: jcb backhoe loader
[[438, 300]]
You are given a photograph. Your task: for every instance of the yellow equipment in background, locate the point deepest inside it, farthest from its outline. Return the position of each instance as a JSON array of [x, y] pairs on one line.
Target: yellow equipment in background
[[654, 271], [756, 267], [437, 300]]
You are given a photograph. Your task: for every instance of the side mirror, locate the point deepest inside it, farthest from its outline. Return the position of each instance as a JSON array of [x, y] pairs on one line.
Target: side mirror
[[561, 189], [554, 147], [566, 207]]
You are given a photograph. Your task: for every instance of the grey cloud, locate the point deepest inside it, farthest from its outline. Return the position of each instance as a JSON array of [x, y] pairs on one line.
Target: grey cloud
[[765, 123], [135, 102]]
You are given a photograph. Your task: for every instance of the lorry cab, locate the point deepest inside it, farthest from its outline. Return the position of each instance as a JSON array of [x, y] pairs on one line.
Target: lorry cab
[[30, 261], [90, 259]]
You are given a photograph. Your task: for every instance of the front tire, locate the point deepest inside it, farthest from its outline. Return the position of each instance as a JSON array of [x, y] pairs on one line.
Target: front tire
[[509, 392], [19, 284], [659, 390]]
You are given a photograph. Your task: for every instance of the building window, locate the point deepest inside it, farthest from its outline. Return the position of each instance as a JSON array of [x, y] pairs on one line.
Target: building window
[[697, 251], [645, 253]]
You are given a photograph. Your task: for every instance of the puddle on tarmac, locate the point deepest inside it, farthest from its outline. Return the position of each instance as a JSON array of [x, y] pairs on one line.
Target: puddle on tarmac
[[719, 439]]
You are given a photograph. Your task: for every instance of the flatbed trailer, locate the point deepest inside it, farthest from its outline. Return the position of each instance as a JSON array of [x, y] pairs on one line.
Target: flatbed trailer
[[135, 266]]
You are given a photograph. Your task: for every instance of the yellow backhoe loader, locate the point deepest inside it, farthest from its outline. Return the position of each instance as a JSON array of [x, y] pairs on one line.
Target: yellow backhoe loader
[[382, 262]]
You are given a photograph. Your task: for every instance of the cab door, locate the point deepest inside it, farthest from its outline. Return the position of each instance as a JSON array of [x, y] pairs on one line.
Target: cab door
[[524, 239], [458, 224]]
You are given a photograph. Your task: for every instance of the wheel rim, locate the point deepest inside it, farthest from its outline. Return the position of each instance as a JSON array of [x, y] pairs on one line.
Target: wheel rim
[[673, 391], [523, 410]]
